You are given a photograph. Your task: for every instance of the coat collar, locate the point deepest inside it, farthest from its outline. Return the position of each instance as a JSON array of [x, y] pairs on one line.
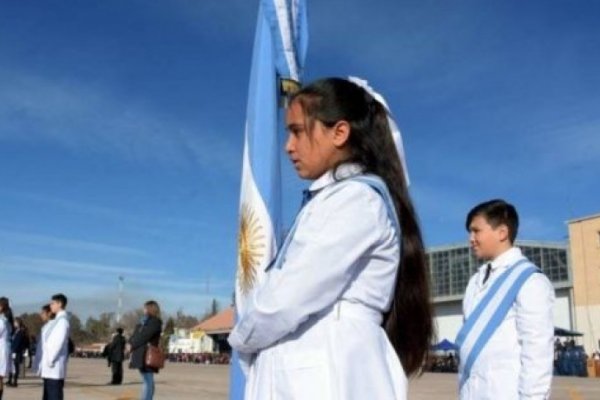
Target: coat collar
[[343, 171]]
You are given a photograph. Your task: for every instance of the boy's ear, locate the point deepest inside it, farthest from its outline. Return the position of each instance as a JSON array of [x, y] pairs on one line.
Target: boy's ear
[[341, 133], [503, 232]]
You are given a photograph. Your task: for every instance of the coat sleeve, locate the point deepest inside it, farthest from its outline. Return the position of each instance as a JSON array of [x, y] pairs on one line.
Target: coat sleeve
[[57, 339], [143, 335], [327, 247], [535, 327], [38, 354]]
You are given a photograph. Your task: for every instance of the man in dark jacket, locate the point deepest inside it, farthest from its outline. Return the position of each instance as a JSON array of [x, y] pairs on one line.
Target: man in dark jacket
[[19, 343], [116, 355]]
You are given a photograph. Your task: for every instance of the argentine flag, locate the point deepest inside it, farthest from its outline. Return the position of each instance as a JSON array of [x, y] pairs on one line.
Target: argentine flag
[[277, 62]]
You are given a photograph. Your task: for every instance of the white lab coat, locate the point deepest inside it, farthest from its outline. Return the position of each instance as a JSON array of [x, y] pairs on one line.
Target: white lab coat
[[39, 351], [5, 348], [314, 324], [517, 362], [55, 347]]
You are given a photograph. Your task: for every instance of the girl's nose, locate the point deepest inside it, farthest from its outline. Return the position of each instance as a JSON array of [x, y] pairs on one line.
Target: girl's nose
[[289, 145]]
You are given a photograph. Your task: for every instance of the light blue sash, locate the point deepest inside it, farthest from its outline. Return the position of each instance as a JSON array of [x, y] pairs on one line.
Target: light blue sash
[[485, 319], [376, 183]]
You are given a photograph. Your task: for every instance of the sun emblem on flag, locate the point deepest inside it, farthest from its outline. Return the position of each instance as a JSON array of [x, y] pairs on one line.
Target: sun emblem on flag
[[251, 248]]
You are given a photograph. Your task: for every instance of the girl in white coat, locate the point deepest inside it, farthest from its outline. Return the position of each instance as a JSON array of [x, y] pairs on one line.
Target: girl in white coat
[[6, 323], [344, 313]]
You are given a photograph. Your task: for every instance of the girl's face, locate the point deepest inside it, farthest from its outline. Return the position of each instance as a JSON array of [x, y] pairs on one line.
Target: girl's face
[[314, 152]]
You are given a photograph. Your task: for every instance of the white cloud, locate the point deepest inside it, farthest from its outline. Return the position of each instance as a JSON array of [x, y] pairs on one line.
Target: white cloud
[[566, 143], [92, 288], [91, 299], [82, 117], [154, 226], [67, 243], [71, 269]]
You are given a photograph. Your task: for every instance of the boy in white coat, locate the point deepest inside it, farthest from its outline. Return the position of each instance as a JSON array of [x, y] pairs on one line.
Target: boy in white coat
[[509, 355], [46, 316], [55, 349]]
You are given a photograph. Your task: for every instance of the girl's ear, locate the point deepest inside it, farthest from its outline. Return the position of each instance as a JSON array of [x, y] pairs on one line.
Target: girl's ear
[[341, 133]]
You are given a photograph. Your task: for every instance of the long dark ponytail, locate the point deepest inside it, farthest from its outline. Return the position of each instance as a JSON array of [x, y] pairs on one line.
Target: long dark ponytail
[[7, 311], [408, 323]]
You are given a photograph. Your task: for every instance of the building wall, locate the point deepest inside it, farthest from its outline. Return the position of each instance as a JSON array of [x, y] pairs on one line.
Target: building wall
[[448, 319], [185, 341], [584, 237], [562, 309]]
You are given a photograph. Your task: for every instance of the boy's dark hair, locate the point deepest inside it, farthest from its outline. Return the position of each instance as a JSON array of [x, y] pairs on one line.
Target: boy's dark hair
[[497, 212], [61, 298]]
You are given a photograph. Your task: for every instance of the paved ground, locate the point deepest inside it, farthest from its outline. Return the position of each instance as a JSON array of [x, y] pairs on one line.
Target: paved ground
[[87, 381]]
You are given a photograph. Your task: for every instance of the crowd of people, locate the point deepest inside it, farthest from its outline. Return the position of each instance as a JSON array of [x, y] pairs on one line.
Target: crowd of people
[[49, 351], [571, 359], [48, 354], [199, 358]]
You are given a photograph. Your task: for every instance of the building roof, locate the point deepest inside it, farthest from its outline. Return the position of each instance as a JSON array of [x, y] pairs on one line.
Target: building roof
[[594, 216], [220, 323]]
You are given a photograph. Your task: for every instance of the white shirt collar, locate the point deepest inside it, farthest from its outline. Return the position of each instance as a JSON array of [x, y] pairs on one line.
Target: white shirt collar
[[343, 171], [506, 259], [61, 313]]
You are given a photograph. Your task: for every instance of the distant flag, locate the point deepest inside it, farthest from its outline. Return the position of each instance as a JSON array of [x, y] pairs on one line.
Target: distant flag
[[279, 50]]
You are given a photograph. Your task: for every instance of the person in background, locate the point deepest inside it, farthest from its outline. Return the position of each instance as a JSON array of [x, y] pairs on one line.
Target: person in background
[[116, 355], [55, 348], [507, 340], [6, 324], [31, 351], [45, 315], [19, 343], [146, 332]]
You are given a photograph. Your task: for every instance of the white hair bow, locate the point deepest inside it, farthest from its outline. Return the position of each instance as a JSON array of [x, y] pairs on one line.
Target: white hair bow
[[396, 135]]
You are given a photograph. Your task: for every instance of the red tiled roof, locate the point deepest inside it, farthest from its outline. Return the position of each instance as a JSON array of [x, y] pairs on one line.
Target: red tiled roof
[[220, 323]]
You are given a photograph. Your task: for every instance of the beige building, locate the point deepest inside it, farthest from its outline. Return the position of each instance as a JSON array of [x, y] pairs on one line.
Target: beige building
[[584, 246], [190, 341]]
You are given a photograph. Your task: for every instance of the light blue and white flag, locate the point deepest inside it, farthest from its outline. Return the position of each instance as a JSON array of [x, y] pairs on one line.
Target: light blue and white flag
[[278, 58]]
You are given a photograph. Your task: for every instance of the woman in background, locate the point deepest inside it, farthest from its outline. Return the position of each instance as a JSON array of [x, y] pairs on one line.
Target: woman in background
[[146, 333]]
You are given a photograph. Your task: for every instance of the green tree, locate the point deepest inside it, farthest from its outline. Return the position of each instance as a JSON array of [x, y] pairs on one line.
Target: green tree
[[214, 307], [211, 311], [130, 319], [185, 321], [166, 335], [33, 323], [99, 329], [78, 334]]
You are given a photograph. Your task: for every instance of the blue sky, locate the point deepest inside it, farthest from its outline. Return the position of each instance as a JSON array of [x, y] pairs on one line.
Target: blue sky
[[121, 130]]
